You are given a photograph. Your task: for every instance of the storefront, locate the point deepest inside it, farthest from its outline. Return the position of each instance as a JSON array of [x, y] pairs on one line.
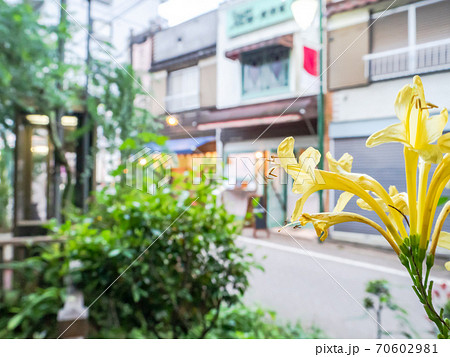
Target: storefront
[[38, 181], [266, 91], [250, 136]]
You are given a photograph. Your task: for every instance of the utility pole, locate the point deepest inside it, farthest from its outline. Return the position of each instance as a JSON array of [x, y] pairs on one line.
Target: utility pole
[[58, 129], [83, 176]]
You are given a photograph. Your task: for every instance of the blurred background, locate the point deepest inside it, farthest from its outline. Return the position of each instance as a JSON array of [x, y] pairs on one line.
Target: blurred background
[[91, 89]]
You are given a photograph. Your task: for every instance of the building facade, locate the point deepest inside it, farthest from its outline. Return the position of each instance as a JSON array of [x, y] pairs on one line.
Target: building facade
[[265, 92], [374, 49], [232, 84], [113, 21], [181, 81]]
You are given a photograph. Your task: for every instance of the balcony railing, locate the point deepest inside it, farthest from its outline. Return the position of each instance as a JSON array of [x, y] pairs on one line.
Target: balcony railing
[[424, 58], [184, 101]]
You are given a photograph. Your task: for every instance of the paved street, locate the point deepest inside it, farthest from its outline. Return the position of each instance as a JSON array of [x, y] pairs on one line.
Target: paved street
[[323, 284]]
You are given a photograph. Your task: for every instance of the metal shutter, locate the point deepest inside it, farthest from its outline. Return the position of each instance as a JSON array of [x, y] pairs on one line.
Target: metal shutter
[[390, 32], [385, 163], [345, 58], [433, 22]]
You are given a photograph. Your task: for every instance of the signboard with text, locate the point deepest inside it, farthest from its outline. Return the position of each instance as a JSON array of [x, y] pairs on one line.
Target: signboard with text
[[253, 15]]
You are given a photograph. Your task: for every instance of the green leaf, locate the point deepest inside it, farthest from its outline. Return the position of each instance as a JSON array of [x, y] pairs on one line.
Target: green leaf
[[128, 144], [443, 200], [15, 321], [114, 253]]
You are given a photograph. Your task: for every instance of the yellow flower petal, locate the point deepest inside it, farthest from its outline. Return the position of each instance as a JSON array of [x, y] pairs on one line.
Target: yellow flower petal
[[435, 126], [303, 172], [286, 153], [444, 240], [444, 143], [323, 221], [309, 157], [344, 164], [418, 89], [344, 198], [402, 102], [304, 181], [336, 181], [430, 153], [297, 210], [393, 190], [394, 132], [363, 204], [447, 266], [401, 202]]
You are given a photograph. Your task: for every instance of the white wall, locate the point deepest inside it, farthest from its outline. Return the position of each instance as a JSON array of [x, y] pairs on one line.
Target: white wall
[[229, 72], [377, 99], [124, 16]]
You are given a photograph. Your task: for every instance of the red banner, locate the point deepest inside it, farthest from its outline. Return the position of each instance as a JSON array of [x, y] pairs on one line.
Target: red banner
[[310, 59]]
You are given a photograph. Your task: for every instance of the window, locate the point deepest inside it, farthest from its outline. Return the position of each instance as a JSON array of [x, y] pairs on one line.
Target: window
[[265, 71], [390, 32], [432, 22], [345, 56], [410, 39], [183, 89]]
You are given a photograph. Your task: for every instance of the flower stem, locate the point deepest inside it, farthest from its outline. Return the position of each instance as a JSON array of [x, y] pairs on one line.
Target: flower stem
[[412, 259]]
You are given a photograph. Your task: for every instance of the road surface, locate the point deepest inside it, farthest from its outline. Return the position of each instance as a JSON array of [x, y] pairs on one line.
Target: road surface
[[324, 285]]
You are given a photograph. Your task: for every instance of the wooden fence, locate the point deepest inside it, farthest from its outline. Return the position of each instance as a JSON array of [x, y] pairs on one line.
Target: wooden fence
[[16, 249]]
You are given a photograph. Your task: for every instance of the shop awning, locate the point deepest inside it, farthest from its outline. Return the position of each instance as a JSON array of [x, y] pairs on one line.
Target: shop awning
[[251, 122], [285, 40], [183, 146]]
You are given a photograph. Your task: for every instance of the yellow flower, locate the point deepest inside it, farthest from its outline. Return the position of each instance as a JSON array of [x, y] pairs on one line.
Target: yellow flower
[[441, 238], [323, 221], [308, 180], [400, 201], [418, 132], [303, 172], [343, 166], [444, 242], [416, 129]]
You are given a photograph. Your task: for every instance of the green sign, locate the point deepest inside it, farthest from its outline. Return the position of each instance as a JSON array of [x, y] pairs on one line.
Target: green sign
[[253, 15]]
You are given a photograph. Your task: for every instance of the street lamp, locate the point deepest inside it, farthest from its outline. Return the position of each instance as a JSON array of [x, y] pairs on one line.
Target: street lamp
[[304, 12], [171, 120]]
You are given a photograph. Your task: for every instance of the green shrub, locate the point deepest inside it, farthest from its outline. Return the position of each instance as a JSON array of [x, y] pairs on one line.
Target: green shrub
[[240, 321], [167, 261], [29, 315], [236, 322]]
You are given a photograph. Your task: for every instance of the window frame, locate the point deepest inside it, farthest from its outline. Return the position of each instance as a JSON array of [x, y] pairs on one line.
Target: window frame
[[183, 94], [271, 91], [411, 51]]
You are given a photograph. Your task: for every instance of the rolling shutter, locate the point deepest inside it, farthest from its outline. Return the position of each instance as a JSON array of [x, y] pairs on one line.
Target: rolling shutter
[[345, 58], [385, 163], [390, 32], [433, 22]]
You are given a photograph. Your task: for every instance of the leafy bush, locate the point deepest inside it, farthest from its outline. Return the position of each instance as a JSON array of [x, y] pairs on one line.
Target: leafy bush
[[236, 322], [380, 291], [240, 321], [29, 315], [171, 257]]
